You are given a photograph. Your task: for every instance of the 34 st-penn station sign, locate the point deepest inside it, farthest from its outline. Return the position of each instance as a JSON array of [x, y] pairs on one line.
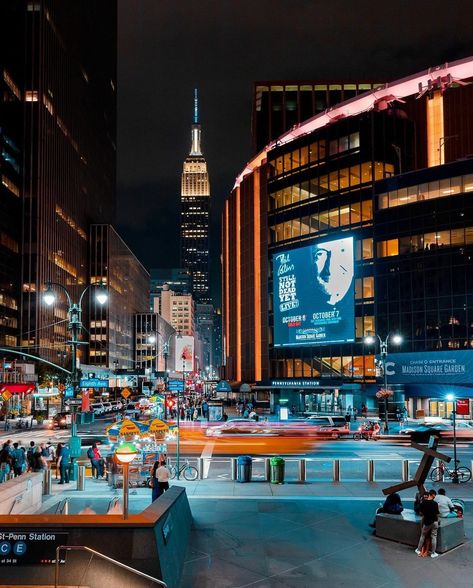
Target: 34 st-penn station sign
[[435, 367]]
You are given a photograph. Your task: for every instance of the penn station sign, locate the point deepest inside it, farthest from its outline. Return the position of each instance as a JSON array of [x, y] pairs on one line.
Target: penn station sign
[[436, 367]]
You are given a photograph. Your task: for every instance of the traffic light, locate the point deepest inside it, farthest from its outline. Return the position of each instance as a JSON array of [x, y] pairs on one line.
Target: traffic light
[[170, 403]]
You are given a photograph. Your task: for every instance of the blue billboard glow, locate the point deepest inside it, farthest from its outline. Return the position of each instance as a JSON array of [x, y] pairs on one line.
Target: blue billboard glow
[[313, 294]]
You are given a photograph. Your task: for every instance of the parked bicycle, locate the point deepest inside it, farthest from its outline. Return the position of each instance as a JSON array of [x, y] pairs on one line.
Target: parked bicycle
[[439, 473], [189, 471]]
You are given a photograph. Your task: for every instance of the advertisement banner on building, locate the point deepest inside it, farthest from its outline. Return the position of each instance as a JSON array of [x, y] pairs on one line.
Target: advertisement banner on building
[[313, 294], [185, 353], [430, 367], [463, 406]]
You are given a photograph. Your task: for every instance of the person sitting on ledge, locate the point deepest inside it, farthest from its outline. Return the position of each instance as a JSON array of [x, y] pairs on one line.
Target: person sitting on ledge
[[392, 505], [446, 506]]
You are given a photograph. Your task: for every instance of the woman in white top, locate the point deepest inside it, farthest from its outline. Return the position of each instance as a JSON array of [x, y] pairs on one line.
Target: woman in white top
[[159, 479]]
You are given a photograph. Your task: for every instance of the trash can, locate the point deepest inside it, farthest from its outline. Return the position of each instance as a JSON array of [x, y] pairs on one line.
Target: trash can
[[277, 470], [244, 467]]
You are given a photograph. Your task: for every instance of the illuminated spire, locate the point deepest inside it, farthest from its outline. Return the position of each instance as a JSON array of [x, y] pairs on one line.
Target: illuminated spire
[[196, 149]]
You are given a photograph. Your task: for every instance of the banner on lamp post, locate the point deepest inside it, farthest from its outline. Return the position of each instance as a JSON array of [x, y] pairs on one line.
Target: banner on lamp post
[[185, 354]]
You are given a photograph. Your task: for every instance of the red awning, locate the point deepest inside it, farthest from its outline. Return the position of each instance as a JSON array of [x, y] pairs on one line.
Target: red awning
[[18, 388]]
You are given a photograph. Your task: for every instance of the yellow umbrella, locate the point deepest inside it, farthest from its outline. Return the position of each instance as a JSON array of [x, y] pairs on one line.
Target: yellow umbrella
[[158, 426], [125, 428]]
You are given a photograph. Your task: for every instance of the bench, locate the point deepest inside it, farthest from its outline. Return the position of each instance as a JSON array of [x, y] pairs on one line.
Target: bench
[[405, 528]]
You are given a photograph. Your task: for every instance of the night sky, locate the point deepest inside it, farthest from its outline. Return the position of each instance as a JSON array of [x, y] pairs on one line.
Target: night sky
[[168, 47]]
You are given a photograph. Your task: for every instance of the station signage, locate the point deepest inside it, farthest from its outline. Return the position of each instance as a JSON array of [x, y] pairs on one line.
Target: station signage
[[176, 386], [430, 367], [30, 547]]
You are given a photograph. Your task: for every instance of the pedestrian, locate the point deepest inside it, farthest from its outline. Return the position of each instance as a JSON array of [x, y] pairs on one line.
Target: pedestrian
[[159, 479], [64, 464], [39, 462], [99, 461], [5, 463], [355, 414], [58, 455], [94, 460], [392, 505], [19, 460], [429, 509], [29, 455], [446, 506], [50, 453]]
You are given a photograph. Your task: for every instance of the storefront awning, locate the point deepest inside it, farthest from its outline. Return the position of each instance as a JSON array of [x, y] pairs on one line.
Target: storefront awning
[[18, 388]]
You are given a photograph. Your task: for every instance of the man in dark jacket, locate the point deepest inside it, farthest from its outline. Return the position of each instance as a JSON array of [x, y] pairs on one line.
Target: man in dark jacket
[[429, 510]]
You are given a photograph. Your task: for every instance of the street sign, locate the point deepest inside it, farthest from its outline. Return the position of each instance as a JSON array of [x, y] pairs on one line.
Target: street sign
[[69, 392], [74, 402], [126, 393], [93, 383], [223, 386], [6, 395], [32, 546], [176, 385]]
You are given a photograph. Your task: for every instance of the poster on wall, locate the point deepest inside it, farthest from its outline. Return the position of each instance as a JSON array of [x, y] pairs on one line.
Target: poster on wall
[[314, 294], [185, 353]]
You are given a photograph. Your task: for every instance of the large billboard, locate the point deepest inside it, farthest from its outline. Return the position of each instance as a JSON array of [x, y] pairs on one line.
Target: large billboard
[[314, 297], [185, 353]]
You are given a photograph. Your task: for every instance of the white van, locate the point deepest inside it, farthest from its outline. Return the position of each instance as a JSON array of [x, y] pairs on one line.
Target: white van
[[330, 424], [98, 408]]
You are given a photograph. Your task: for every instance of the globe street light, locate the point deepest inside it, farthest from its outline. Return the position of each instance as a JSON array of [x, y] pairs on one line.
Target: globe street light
[[396, 339], [451, 398], [126, 453], [75, 326]]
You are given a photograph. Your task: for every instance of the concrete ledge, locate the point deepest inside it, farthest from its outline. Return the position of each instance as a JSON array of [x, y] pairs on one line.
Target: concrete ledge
[[22, 495], [153, 541], [406, 527]]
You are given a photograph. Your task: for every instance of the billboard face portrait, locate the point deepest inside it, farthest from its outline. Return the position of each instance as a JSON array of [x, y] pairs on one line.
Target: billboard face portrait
[[185, 353], [314, 294]]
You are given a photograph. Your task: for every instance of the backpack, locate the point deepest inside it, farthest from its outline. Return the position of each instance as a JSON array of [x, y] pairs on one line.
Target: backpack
[[90, 453]]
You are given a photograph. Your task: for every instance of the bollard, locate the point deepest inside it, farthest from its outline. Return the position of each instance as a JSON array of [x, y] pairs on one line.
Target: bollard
[[81, 478], [200, 467], [234, 468], [405, 470], [336, 470], [267, 469], [66, 507], [302, 470], [371, 472], [47, 482]]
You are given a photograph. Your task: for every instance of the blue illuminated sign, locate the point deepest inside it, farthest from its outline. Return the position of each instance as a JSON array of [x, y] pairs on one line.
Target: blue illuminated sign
[[314, 294], [93, 383], [430, 367]]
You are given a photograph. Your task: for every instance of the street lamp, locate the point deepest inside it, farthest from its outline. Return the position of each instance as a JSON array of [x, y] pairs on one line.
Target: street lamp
[[75, 325], [126, 453], [451, 398], [383, 345]]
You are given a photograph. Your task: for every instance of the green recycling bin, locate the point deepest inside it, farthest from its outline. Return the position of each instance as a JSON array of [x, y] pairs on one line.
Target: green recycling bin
[[277, 470]]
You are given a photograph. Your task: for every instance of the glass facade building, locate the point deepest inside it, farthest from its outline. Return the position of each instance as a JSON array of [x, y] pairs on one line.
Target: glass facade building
[[367, 170]]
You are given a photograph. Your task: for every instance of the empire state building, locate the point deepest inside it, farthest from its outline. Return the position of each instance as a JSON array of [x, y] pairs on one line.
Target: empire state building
[[195, 208]]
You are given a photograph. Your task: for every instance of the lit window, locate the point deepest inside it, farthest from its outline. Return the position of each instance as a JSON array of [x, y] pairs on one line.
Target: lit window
[[31, 96]]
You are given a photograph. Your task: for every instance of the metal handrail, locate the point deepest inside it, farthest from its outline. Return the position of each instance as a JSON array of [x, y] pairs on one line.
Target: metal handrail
[[16, 501], [101, 556], [112, 503], [63, 507]]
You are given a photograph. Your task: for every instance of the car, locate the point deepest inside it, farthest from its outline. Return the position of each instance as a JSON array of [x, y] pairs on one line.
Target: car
[[422, 432], [107, 406], [239, 427], [335, 425], [61, 420], [97, 408], [117, 405]]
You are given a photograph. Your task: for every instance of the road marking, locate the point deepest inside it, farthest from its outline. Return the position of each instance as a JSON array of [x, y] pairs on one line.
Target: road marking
[[206, 455]]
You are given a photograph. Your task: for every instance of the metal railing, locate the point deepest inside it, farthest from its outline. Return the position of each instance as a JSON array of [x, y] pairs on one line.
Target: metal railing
[[335, 465], [63, 507], [95, 553]]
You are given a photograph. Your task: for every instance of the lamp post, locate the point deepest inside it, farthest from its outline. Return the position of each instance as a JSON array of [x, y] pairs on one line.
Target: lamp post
[[451, 398], [75, 326], [383, 347], [126, 453], [178, 452]]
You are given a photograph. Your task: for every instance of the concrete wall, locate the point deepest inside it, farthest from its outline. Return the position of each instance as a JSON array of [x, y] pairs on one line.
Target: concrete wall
[[153, 541], [26, 490]]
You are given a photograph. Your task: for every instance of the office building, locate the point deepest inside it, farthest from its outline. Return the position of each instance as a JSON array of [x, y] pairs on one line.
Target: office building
[[357, 223], [155, 343], [58, 156], [111, 326], [178, 279], [177, 309], [205, 326], [195, 211]]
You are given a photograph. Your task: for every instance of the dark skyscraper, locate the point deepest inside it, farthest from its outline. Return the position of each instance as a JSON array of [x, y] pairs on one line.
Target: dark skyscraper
[[58, 119], [195, 209]]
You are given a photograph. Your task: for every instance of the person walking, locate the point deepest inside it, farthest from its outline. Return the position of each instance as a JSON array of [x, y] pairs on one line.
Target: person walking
[[39, 462], [99, 461], [5, 463], [19, 459], [159, 479], [29, 456], [429, 509], [94, 455], [64, 464]]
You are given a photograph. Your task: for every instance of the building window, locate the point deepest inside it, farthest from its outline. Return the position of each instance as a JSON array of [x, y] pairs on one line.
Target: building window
[[31, 96]]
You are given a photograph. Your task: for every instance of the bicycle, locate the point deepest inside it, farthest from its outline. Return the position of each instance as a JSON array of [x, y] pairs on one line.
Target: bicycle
[[463, 473], [190, 472]]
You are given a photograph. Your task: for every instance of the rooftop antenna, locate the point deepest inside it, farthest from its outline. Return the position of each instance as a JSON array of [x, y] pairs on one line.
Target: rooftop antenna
[[196, 107]]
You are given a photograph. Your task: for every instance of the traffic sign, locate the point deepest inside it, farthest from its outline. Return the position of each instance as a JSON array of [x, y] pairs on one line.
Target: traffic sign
[[69, 392], [6, 395], [125, 393], [74, 402]]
